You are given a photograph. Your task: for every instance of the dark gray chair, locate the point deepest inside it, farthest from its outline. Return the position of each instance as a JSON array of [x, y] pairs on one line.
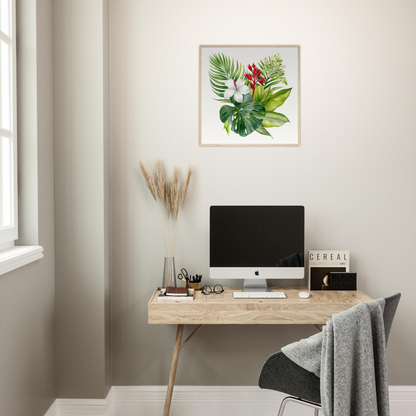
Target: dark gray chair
[[281, 374]]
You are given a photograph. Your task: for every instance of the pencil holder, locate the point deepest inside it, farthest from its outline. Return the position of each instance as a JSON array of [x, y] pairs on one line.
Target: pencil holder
[[195, 286]]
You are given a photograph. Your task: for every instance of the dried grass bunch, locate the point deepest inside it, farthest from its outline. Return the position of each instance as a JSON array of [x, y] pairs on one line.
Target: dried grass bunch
[[171, 199]]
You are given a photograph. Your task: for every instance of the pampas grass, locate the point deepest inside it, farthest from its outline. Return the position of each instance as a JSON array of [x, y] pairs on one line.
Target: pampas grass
[[166, 200], [170, 201], [148, 179], [160, 179], [174, 193], [186, 183]]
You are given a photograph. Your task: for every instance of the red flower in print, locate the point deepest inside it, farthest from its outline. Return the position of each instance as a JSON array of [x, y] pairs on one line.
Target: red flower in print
[[254, 77]]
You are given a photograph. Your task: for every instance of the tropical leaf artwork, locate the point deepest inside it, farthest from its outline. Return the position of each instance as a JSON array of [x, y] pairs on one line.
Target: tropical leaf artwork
[[250, 95]]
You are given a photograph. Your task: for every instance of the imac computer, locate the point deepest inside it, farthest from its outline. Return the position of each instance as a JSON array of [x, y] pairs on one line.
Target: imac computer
[[256, 243]]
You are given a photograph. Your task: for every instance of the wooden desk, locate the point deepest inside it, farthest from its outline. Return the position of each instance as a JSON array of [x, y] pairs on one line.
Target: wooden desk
[[223, 309]]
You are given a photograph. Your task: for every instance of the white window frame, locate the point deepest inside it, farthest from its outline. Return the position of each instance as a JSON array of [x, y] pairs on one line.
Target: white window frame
[[9, 233], [11, 256]]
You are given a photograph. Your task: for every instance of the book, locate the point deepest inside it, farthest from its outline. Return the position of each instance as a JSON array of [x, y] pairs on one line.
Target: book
[[176, 291], [323, 262], [164, 297]]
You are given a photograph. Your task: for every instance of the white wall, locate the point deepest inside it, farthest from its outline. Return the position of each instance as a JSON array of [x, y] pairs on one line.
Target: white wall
[[354, 171]]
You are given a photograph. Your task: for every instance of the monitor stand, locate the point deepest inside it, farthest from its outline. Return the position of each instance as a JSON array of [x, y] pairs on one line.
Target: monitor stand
[[255, 285]]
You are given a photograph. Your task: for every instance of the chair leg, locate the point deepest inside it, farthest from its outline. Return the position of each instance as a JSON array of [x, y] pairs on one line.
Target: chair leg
[[283, 405], [297, 400]]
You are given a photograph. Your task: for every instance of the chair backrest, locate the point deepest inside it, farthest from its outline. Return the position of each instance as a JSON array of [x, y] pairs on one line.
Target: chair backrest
[[389, 312]]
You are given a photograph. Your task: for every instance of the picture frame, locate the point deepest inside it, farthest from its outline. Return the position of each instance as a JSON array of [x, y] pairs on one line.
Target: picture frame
[[249, 95]]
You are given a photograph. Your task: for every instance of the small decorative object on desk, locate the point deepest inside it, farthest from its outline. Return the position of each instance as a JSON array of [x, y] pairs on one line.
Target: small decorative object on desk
[[169, 294], [323, 262], [342, 281], [170, 198]]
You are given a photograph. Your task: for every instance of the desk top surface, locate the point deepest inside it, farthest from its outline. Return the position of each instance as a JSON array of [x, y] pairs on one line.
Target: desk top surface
[[218, 309]]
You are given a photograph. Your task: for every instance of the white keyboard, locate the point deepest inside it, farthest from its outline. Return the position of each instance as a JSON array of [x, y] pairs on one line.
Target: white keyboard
[[259, 295]]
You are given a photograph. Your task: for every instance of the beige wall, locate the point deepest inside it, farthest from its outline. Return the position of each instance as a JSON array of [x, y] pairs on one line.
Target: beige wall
[[82, 198], [27, 295], [354, 171]]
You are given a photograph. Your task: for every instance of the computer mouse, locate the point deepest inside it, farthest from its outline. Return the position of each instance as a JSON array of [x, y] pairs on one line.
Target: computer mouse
[[304, 295]]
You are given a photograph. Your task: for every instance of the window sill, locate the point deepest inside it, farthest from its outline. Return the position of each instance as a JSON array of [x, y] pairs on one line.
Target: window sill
[[18, 256]]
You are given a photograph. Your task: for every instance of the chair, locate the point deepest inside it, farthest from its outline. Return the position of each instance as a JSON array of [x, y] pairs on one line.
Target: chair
[[281, 374]]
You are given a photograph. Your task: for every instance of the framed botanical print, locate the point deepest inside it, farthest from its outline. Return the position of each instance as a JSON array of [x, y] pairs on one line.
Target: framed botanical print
[[249, 96]]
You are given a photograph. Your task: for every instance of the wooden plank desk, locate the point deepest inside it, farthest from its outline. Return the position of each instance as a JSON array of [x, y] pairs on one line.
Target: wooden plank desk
[[223, 309]]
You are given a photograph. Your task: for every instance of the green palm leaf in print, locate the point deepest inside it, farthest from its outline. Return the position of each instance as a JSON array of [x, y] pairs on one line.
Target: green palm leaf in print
[[272, 69], [221, 69], [243, 118]]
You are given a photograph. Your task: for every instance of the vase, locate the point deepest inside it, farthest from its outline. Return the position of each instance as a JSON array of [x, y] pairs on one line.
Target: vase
[[169, 272]]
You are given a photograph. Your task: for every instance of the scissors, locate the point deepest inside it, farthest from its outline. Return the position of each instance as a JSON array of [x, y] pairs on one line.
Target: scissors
[[183, 275]]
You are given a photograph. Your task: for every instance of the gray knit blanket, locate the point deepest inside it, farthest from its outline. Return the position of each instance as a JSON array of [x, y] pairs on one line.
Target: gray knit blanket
[[349, 356]]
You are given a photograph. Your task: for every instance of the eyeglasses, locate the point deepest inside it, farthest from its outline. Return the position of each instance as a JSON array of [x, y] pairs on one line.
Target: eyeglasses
[[207, 290]]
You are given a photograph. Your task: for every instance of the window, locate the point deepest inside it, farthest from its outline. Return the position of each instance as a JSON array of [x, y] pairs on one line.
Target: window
[[11, 256], [8, 146]]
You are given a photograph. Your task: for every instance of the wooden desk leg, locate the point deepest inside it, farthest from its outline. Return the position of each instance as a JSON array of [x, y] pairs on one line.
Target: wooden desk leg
[[173, 368]]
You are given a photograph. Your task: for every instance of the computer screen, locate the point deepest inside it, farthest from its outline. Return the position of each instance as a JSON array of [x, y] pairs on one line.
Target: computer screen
[[256, 242]]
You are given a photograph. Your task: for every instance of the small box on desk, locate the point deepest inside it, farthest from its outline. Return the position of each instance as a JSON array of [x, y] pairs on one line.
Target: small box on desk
[[342, 281]]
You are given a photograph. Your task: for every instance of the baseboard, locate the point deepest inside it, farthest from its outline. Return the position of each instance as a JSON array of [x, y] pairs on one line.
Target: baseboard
[[204, 401], [196, 400], [84, 407], [402, 400]]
